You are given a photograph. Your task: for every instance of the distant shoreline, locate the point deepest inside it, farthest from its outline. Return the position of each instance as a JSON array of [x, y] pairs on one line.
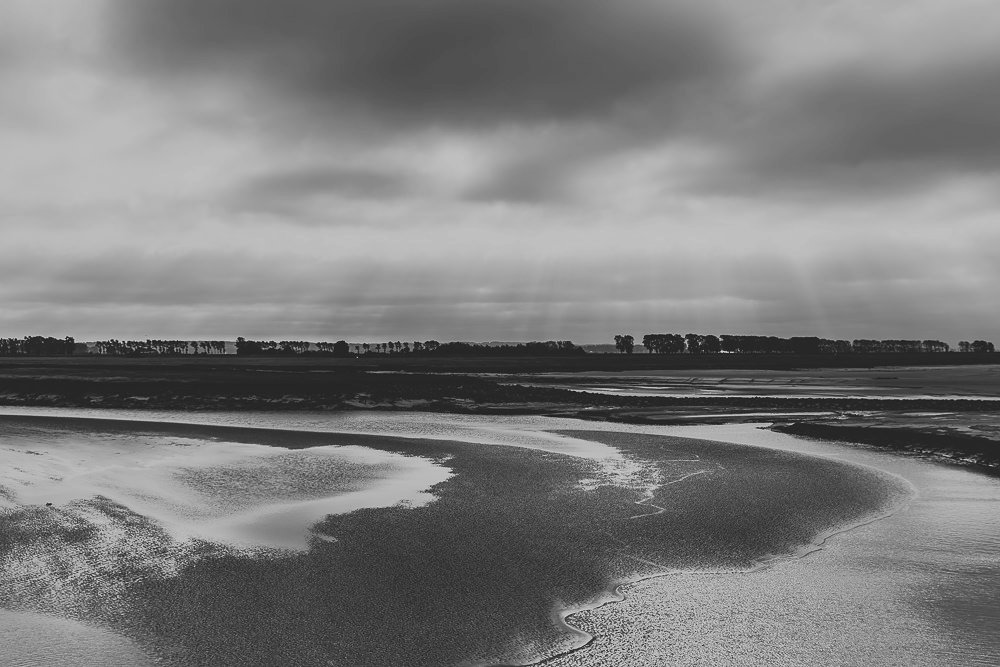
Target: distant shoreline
[[237, 384], [516, 364]]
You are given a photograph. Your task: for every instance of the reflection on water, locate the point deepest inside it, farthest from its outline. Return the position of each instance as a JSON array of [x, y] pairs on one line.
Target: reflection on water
[[938, 382], [683, 390]]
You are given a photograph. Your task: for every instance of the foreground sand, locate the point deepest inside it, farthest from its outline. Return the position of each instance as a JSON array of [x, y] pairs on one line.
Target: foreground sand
[[479, 574]]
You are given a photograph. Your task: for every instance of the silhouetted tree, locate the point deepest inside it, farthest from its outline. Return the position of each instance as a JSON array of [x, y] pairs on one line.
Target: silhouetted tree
[[693, 343], [624, 343], [982, 346]]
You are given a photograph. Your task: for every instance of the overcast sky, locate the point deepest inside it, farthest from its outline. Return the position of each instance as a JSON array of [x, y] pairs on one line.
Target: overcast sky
[[499, 169]]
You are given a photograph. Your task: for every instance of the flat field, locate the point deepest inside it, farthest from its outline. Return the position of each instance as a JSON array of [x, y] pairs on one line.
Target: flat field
[[82, 364]]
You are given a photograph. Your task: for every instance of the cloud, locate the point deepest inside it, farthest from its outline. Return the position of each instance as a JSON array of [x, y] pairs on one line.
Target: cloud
[[855, 110], [865, 132], [811, 102], [437, 62], [499, 168], [518, 284], [296, 188], [358, 76]]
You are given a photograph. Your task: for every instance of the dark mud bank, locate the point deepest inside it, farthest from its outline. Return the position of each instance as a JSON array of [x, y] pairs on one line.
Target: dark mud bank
[[974, 451]]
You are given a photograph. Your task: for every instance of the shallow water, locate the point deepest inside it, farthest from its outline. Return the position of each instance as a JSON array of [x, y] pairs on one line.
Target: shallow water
[[917, 588], [936, 382], [684, 390]]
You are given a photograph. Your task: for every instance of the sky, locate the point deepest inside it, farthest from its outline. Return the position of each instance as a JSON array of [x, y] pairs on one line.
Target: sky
[[499, 169]]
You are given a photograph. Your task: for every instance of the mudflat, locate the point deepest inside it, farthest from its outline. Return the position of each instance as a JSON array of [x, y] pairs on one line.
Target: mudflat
[[513, 539], [939, 381], [220, 545]]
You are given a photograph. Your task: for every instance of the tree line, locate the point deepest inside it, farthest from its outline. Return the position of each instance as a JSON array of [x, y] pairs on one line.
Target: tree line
[[37, 346], [666, 343], [267, 348], [44, 346], [976, 346], [245, 347], [157, 348], [672, 343]]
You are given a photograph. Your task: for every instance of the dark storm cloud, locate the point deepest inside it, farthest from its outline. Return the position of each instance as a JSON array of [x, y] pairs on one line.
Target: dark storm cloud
[[635, 73], [863, 114], [867, 128], [431, 61], [772, 113]]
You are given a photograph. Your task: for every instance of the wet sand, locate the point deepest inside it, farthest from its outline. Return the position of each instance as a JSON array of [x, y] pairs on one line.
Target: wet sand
[[918, 587], [906, 382], [66, 643], [480, 574]]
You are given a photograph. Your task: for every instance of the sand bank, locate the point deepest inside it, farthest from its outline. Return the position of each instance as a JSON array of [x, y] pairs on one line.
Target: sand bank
[[200, 485]]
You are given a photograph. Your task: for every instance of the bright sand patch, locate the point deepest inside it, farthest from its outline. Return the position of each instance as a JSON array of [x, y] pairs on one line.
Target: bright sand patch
[[247, 495]]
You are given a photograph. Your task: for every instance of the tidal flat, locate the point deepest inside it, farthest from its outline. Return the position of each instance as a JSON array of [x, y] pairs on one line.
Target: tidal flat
[[949, 409], [918, 586], [528, 520]]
